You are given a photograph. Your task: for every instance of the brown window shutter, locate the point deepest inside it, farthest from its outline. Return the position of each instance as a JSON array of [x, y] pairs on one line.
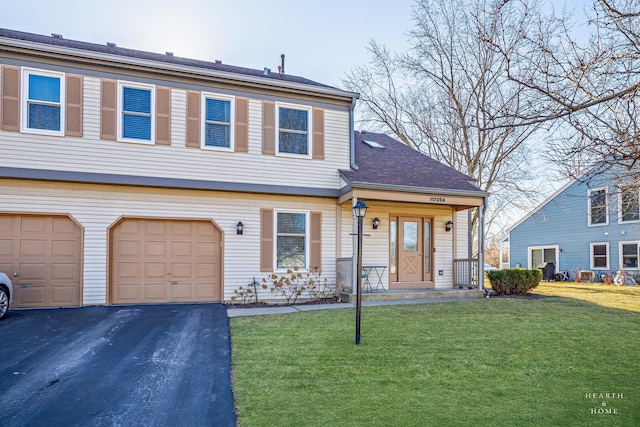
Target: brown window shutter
[[318, 134], [268, 127], [163, 116], [108, 109], [73, 113], [193, 119], [315, 242], [10, 108], [242, 125], [266, 239]]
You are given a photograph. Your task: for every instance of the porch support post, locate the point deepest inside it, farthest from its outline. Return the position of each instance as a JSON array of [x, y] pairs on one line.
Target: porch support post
[[481, 211]]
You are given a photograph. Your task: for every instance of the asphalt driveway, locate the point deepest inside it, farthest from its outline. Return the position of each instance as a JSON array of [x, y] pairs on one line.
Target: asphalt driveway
[[116, 366]]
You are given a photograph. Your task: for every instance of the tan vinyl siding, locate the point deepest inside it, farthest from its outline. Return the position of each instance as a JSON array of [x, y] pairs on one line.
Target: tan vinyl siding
[[268, 127], [317, 140], [108, 110], [73, 113], [97, 207], [241, 131], [193, 119], [266, 239], [10, 90], [163, 116]]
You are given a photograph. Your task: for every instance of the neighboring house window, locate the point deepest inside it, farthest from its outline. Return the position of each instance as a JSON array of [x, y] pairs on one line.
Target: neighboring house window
[[629, 205], [538, 256], [293, 130], [136, 111], [599, 256], [598, 207], [629, 254], [43, 100], [291, 240], [217, 129]]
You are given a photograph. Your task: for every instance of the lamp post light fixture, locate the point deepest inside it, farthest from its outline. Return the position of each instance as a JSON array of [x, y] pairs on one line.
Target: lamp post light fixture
[[359, 211], [376, 223], [239, 227]]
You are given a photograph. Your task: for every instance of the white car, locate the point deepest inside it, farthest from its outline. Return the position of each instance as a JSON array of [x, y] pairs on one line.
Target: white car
[[6, 293]]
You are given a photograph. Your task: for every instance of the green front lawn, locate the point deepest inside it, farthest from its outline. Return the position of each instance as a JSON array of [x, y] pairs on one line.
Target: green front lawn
[[498, 361]]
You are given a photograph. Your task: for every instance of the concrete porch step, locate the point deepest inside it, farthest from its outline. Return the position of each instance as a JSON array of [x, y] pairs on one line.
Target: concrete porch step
[[394, 295]]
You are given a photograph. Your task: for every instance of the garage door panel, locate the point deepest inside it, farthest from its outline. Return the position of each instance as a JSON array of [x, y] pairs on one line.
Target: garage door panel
[[155, 249], [30, 295], [128, 248], [6, 247], [127, 270], [33, 225], [33, 248], [63, 271], [155, 292], [63, 294], [33, 271], [62, 226], [65, 248], [181, 249], [129, 292], [188, 251], [7, 224]]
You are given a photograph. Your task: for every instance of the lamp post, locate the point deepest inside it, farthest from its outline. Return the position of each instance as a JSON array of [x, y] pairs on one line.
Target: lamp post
[[359, 210]]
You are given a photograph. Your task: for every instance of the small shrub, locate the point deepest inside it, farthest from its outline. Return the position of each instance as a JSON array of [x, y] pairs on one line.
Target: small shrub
[[246, 295], [514, 281], [294, 283]]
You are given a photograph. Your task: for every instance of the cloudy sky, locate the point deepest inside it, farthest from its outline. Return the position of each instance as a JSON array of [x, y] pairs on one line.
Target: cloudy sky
[[322, 40]]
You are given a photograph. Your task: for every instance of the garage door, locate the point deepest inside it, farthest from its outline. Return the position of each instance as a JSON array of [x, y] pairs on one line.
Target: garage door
[[42, 255], [159, 261]]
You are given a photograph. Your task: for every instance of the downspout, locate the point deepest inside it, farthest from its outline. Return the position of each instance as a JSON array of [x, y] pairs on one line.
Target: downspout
[[352, 141]]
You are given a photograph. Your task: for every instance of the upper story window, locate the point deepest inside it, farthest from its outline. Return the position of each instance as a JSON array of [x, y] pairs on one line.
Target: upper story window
[[599, 256], [629, 205], [136, 112], [43, 100], [217, 129], [598, 207], [294, 123], [291, 240]]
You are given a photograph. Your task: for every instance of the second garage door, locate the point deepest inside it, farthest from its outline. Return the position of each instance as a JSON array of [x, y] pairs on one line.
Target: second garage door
[[159, 261]]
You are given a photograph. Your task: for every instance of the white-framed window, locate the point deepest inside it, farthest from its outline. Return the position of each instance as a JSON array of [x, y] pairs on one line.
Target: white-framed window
[[136, 112], [629, 205], [293, 130], [292, 243], [599, 255], [217, 121], [43, 94], [629, 255], [598, 212], [539, 255]]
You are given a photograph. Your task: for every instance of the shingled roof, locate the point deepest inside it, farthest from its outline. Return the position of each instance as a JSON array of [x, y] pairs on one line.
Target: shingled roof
[[112, 49], [387, 164]]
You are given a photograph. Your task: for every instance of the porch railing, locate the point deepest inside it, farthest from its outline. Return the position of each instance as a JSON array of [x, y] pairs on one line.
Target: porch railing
[[465, 273]]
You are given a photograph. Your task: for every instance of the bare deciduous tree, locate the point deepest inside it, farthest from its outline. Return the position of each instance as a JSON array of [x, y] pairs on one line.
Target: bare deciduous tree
[[591, 88], [449, 96]]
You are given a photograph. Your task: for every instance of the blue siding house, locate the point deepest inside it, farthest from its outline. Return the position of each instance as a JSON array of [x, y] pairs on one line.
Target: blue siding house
[[588, 228]]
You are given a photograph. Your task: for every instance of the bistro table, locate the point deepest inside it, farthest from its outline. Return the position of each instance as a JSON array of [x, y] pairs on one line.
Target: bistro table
[[378, 273]]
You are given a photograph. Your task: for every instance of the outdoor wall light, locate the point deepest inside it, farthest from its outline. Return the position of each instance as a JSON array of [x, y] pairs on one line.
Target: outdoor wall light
[[239, 227], [448, 226], [376, 223]]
